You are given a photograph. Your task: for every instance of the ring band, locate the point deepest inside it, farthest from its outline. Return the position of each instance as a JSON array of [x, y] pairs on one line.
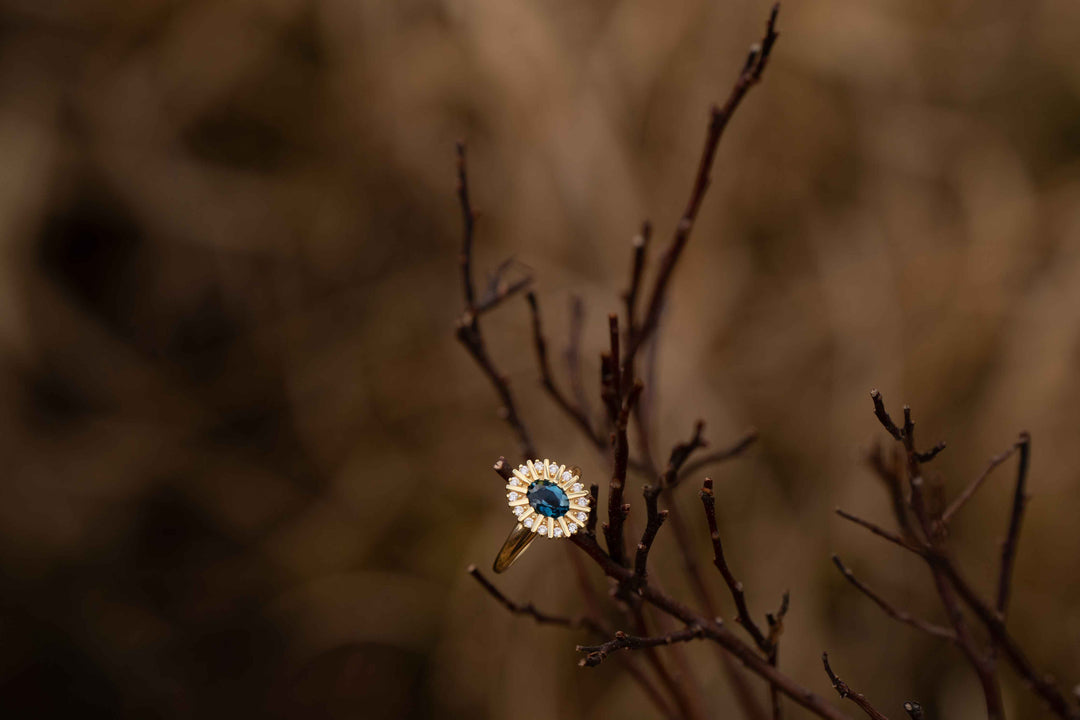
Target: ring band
[[516, 543], [547, 500]]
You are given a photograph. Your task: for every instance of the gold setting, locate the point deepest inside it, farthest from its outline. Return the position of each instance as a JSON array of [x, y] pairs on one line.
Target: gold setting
[[567, 479], [531, 524]]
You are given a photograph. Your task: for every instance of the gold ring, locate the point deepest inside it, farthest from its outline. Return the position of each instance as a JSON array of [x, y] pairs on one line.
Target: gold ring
[[548, 500]]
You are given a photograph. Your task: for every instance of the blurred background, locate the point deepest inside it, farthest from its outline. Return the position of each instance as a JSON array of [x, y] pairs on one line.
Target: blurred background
[[247, 463]]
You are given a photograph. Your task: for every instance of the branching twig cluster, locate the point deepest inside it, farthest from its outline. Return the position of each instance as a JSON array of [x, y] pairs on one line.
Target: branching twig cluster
[[658, 621], [923, 531]]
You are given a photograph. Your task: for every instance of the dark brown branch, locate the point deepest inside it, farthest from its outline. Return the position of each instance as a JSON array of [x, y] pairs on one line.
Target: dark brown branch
[[1008, 550], [503, 469], [891, 610], [713, 630], [574, 412], [498, 290], [622, 641], [654, 519], [708, 501], [751, 73], [883, 416], [531, 610], [930, 454], [849, 694], [881, 532], [719, 456], [573, 357], [971, 489], [468, 330], [679, 455], [776, 628], [617, 510], [590, 520], [637, 269]]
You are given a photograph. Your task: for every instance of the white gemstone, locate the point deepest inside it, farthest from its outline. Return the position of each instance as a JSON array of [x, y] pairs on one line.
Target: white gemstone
[[566, 475], [524, 469], [584, 500], [578, 487], [553, 468], [572, 527], [542, 530], [558, 532], [512, 496], [519, 510], [581, 516], [528, 522]]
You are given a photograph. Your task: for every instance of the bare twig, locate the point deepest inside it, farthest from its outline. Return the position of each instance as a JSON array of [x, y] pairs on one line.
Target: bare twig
[[848, 694], [883, 416], [574, 412], [573, 356], [751, 73], [1008, 549], [713, 630], [708, 501], [531, 610], [637, 269], [622, 641], [617, 510], [776, 628], [881, 532], [654, 519], [719, 456], [914, 710], [679, 455], [971, 489], [891, 610], [590, 520], [468, 330]]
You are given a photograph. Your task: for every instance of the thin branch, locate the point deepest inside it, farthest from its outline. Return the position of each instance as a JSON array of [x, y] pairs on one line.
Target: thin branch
[[713, 630], [529, 609], [468, 330], [708, 501], [883, 416], [881, 532], [622, 641], [718, 456], [503, 469], [1008, 550], [751, 73], [849, 694], [574, 412], [891, 610], [971, 489], [679, 455], [617, 510], [637, 269], [654, 519], [573, 356], [776, 628]]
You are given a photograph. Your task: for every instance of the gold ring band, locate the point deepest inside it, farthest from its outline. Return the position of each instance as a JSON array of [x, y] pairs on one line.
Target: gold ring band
[[516, 543]]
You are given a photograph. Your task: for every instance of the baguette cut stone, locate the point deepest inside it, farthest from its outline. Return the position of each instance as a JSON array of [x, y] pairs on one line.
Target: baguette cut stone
[[548, 499]]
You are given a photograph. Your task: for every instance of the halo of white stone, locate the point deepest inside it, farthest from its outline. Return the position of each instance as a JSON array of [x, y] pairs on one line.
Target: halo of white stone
[[531, 471]]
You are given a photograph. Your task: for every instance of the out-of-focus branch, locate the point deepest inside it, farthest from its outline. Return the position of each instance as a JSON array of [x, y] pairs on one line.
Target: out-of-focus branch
[[622, 641], [718, 456], [531, 610], [847, 693], [1008, 549], [891, 610], [574, 412], [914, 710], [881, 532], [970, 490]]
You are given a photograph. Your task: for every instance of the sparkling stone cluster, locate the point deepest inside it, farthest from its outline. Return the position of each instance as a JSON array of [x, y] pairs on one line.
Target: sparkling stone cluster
[[548, 499]]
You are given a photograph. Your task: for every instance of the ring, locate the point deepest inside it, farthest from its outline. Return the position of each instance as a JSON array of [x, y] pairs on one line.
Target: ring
[[548, 500]]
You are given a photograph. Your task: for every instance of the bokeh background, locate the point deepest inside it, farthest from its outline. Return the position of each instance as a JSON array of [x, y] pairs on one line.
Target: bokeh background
[[246, 463]]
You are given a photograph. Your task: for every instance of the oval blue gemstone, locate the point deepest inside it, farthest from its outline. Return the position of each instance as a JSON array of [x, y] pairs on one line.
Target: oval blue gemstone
[[548, 499]]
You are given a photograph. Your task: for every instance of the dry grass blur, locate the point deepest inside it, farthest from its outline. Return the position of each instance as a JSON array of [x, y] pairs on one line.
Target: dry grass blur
[[247, 463]]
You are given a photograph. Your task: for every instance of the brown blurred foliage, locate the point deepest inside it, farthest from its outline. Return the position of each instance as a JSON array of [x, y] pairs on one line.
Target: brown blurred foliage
[[247, 463]]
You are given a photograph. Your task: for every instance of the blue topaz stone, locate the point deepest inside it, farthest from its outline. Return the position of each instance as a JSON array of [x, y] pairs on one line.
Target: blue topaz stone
[[548, 499]]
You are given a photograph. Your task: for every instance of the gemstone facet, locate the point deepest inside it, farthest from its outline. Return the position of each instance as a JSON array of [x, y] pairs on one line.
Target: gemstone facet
[[548, 499]]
